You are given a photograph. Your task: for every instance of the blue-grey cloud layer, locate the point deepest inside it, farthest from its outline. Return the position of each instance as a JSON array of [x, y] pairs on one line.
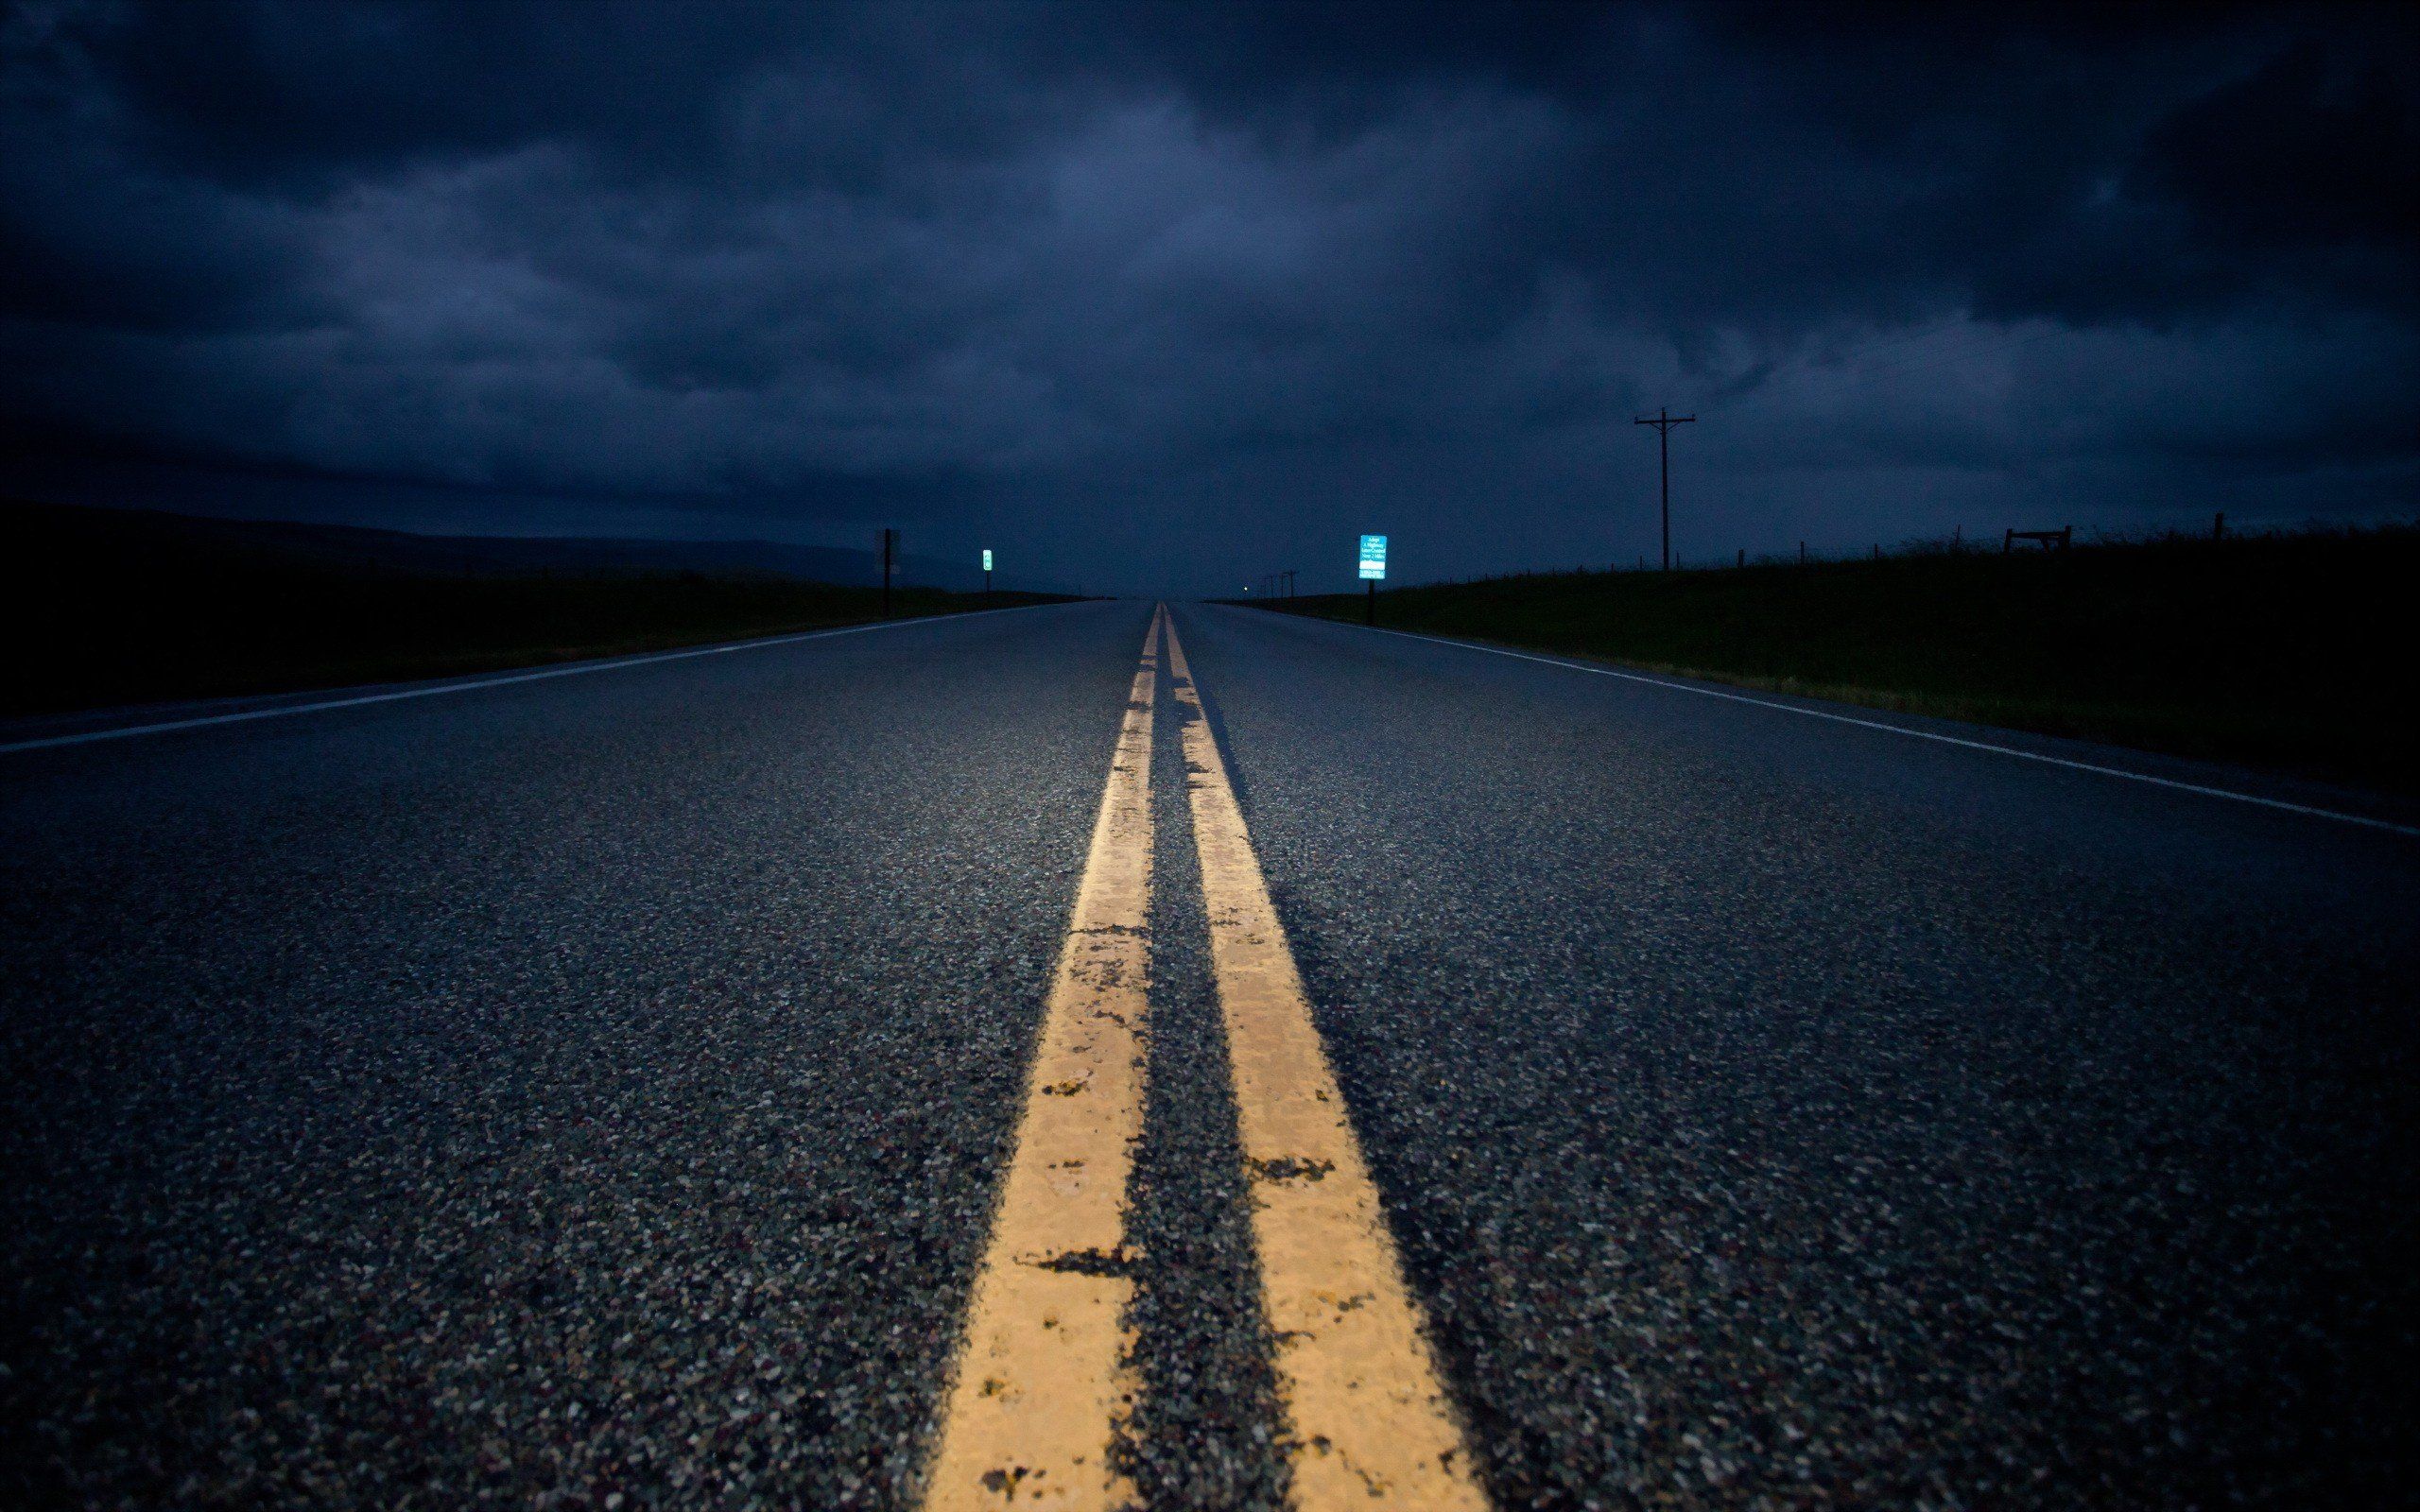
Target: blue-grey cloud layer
[[1174, 296]]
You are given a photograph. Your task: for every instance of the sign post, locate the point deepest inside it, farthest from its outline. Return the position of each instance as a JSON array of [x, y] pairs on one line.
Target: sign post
[[987, 574], [1373, 567], [889, 553]]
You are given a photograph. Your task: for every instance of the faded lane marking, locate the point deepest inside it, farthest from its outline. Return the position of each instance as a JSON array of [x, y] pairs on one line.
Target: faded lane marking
[[1041, 1384], [1370, 1422]]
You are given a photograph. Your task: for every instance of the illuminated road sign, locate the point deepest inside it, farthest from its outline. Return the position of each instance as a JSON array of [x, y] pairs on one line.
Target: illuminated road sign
[[1373, 557]]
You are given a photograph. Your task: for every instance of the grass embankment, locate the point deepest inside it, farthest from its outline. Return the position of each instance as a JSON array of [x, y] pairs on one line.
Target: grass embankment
[[144, 633], [2293, 652]]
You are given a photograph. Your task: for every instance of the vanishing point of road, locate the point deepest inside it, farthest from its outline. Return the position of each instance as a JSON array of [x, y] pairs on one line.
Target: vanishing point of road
[[1109, 1055]]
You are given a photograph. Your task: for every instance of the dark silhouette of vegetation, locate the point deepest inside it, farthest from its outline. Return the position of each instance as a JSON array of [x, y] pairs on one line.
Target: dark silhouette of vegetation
[[2291, 650], [144, 618]]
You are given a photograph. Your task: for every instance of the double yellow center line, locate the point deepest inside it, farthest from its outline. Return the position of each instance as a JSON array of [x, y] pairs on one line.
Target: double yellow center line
[[1043, 1383]]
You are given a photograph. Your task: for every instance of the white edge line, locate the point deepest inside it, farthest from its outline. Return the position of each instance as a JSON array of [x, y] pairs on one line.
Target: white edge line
[[87, 737], [2338, 815]]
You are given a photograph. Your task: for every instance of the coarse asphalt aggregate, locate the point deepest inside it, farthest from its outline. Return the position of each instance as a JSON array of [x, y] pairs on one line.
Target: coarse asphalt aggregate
[[589, 1092], [1779, 1113]]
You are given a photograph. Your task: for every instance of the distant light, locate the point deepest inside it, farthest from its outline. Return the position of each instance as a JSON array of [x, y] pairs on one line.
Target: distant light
[[1373, 557], [987, 558]]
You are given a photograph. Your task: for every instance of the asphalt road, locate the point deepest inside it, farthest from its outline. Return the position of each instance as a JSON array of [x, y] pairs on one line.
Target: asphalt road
[[591, 1091]]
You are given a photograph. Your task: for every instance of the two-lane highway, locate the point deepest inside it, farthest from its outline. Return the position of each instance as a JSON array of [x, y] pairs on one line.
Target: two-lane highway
[[610, 1090]]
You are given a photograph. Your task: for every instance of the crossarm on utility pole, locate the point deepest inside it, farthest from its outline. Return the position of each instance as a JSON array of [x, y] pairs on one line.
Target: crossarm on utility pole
[[1663, 420]]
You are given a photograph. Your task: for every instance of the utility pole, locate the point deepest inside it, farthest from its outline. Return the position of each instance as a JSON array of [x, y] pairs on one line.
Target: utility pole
[[1664, 420]]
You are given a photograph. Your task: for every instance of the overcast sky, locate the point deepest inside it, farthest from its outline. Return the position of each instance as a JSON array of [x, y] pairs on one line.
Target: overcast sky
[[1164, 299]]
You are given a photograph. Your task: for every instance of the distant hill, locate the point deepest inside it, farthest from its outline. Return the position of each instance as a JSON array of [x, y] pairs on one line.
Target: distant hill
[[79, 540]]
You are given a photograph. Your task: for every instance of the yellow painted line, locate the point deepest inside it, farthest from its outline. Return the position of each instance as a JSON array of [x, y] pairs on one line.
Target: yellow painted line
[[1370, 1426], [1041, 1384]]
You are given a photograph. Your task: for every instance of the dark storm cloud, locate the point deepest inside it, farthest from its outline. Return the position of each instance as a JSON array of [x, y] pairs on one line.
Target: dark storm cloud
[[1199, 288]]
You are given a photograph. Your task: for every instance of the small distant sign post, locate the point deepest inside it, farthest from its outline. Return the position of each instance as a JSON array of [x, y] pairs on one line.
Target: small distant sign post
[[889, 554], [1373, 567], [987, 572]]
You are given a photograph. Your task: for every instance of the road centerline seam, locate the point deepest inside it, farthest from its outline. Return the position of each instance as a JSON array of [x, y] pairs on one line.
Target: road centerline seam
[[1370, 1423]]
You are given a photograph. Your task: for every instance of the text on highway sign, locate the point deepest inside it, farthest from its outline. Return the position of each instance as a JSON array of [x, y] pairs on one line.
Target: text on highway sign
[[1373, 557]]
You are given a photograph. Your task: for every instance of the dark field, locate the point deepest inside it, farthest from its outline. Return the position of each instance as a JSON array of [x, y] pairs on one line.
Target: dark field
[[2282, 651], [149, 617]]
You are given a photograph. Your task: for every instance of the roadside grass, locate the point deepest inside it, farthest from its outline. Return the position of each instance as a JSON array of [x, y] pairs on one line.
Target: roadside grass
[[2291, 652], [91, 635]]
